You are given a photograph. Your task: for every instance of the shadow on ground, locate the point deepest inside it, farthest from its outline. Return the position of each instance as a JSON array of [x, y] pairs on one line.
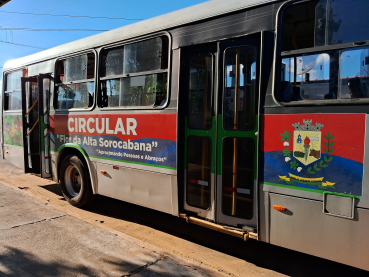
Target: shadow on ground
[[261, 254], [19, 263], [14, 262]]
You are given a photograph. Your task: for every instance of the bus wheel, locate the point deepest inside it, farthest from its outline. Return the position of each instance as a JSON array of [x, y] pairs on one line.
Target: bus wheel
[[75, 182]]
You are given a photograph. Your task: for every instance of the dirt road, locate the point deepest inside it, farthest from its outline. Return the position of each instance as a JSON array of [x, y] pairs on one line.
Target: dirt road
[[213, 250]]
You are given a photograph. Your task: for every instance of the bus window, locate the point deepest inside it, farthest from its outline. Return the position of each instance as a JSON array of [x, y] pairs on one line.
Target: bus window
[[145, 55], [335, 73], [75, 82], [200, 92], [147, 62], [354, 85], [312, 77], [240, 78], [13, 94]]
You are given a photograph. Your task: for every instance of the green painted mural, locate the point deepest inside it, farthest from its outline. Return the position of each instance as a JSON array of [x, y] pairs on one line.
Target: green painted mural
[[13, 130]]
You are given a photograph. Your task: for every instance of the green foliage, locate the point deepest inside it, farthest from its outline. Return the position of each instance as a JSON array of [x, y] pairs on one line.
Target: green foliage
[[294, 165], [328, 136], [286, 136], [286, 152]]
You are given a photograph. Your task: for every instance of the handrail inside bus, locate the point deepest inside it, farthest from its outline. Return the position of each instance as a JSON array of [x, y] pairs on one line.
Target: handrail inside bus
[[30, 109], [33, 127]]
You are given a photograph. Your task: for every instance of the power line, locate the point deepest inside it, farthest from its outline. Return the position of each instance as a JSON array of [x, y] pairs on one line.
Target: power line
[[82, 16], [51, 30], [21, 44], [28, 11], [53, 12], [17, 23]]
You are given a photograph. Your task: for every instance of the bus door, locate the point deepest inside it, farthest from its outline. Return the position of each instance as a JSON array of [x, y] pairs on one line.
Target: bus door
[[237, 130], [219, 86], [197, 90], [35, 113]]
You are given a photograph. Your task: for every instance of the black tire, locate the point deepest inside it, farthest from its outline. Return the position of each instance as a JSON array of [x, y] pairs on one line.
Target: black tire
[[75, 182]]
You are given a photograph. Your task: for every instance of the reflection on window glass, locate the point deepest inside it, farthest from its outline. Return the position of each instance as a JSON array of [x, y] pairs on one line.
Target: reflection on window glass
[[238, 177], [146, 90], [336, 74], [200, 92], [13, 95], [354, 73], [14, 100], [325, 22], [240, 88], [73, 91], [308, 78], [13, 80], [76, 68], [75, 96], [341, 21], [146, 55], [112, 62]]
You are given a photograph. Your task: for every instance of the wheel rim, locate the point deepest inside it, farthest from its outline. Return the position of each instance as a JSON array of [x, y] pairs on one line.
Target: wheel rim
[[72, 180]]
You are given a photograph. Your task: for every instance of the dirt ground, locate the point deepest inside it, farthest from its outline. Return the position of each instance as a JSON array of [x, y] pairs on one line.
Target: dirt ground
[[218, 252]]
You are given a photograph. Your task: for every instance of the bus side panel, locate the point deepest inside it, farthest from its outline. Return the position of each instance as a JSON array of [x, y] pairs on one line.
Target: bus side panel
[[304, 227], [13, 139], [14, 155], [144, 188]]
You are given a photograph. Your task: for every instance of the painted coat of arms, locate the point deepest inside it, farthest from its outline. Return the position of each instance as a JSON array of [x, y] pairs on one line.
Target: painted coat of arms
[[307, 142], [307, 150]]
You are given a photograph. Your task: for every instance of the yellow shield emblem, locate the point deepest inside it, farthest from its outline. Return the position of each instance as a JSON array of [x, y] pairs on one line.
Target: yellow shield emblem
[[307, 146]]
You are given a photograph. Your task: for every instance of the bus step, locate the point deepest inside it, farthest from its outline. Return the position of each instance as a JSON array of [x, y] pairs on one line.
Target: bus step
[[239, 234]]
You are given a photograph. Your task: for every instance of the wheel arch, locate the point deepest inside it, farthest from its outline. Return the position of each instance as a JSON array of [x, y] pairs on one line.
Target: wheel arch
[[75, 149]]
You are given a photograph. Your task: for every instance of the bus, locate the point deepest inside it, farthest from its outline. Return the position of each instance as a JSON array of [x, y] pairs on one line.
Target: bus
[[247, 117]]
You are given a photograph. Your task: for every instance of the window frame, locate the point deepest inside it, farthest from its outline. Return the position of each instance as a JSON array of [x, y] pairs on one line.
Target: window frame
[[278, 56], [85, 81], [158, 71], [5, 74]]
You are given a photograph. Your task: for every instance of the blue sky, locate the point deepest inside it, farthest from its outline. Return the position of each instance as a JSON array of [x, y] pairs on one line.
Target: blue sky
[[138, 9]]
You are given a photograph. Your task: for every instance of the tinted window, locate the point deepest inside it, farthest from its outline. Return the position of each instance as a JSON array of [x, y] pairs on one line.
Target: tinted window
[[354, 73], [238, 177], [200, 92], [198, 171], [325, 22], [338, 72], [312, 73], [240, 88], [341, 21]]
